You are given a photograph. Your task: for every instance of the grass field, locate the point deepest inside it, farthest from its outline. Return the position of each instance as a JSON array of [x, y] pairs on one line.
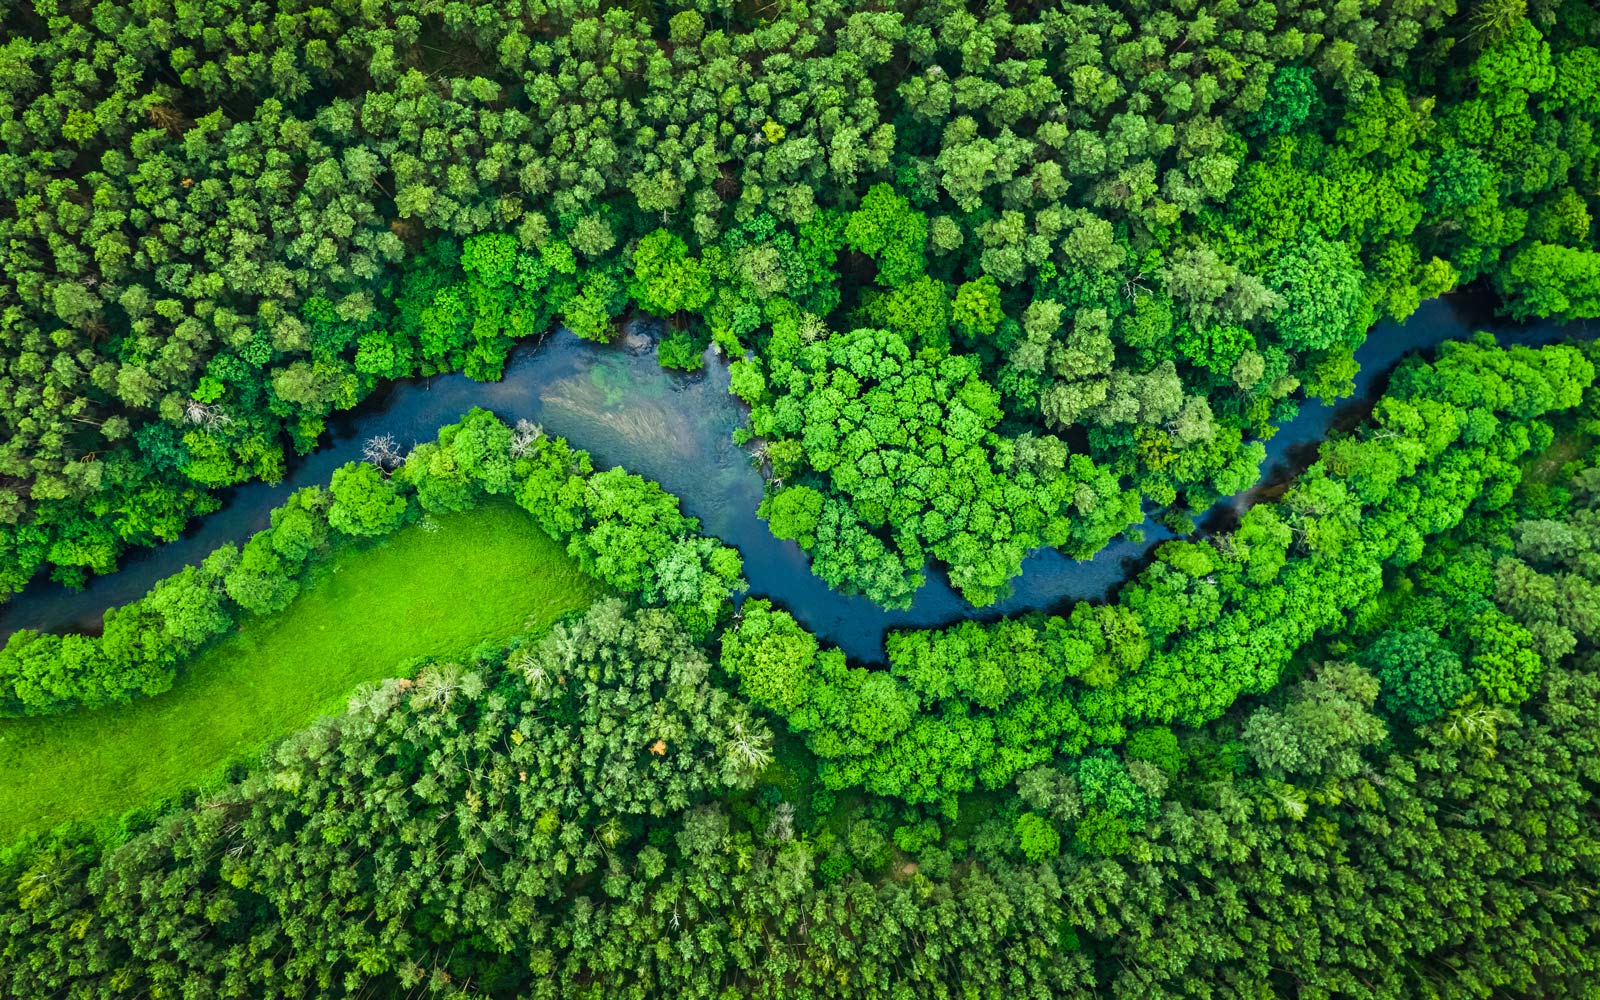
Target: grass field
[[481, 575]]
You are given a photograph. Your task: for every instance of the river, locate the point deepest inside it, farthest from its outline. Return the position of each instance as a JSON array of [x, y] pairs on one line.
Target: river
[[617, 403]]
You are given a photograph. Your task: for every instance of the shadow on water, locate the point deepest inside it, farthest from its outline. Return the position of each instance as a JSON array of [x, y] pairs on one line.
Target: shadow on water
[[617, 403]]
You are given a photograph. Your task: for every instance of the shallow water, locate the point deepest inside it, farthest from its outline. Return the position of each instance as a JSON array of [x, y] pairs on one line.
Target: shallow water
[[624, 409]]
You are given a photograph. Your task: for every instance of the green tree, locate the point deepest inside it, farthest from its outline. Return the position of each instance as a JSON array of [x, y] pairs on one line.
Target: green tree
[[1420, 676], [1545, 280], [1320, 282], [364, 502]]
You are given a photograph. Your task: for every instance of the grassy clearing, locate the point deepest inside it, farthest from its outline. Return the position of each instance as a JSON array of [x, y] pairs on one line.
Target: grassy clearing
[[482, 575], [1546, 467]]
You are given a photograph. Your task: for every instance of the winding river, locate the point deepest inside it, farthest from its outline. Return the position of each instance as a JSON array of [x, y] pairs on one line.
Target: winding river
[[617, 403]]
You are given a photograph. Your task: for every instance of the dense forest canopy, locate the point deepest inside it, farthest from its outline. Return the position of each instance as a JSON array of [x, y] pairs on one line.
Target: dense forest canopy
[[1150, 229], [591, 814], [989, 278]]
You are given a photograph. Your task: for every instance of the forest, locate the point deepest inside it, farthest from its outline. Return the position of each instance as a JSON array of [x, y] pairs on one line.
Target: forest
[[483, 711]]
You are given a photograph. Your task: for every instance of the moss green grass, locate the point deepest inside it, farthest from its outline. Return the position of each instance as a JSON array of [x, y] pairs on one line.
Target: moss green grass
[[484, 574], [1550, 466]]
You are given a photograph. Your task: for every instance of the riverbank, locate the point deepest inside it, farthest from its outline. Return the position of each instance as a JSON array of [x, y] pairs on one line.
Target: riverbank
[[437, 589], [618, 404]]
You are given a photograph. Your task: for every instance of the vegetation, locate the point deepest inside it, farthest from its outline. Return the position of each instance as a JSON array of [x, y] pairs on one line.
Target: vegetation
[[990, 278], [1206, 623], [619, 529], [632, 832], [1141, 232], [906, 442], [432, 590]]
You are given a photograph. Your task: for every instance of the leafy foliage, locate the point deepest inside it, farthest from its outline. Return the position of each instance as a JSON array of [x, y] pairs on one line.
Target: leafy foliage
[[990, 279], [901, 462], [1150, 226], [1206, 623], [624, 531], [1420, 677], [557, 811]]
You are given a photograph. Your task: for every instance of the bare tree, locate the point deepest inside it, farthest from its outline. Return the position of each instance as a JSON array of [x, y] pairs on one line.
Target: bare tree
[[382, 451], [204, 414], [524, 437], [437, 686]]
